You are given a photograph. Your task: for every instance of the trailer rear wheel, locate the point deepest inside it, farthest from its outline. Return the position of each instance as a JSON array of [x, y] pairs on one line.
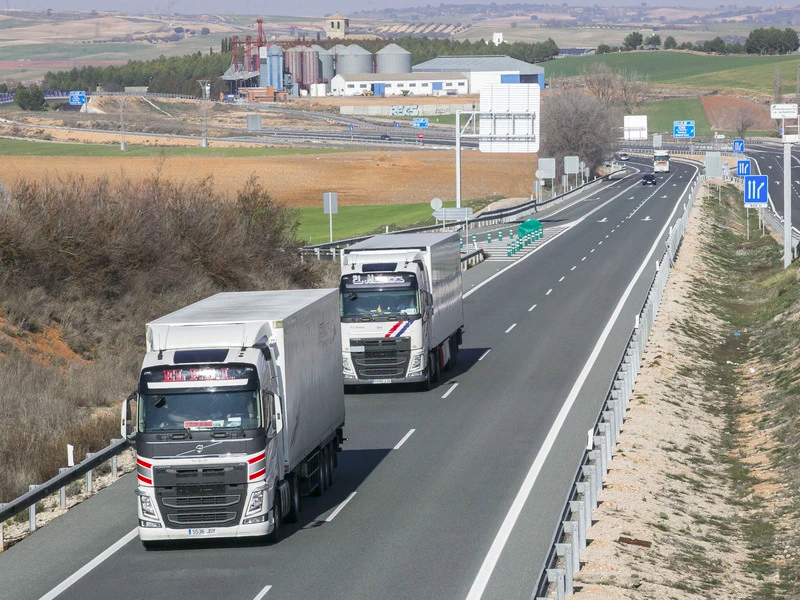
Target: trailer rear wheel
[[453, 342], [293, 516], [323, 466], [331, 452]]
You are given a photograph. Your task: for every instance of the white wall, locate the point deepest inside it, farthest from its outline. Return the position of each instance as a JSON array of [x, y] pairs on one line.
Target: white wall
[[479, 79], [340, 87]]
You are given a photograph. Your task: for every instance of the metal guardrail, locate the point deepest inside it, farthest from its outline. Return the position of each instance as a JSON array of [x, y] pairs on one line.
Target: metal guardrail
[[59, 482], [563, 560]]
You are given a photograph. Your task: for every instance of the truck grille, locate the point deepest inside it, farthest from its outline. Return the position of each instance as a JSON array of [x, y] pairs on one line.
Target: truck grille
[[383, 358], [201, 496]]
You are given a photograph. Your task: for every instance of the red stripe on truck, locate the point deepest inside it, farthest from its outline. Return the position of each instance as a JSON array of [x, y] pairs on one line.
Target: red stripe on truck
[[393, 329], [257, 458], [144, 479], [257, 474]]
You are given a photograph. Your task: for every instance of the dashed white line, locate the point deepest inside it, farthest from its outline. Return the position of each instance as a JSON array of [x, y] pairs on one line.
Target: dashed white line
[[592, 250], [600, 242], [405, 437], [583, 259], [263, 592], [548, 292], [484, 354], [531, 308], [512, 327], [450, 391], [85, 569], [562, 279], [339, 508], [574, 267], [606, 236]]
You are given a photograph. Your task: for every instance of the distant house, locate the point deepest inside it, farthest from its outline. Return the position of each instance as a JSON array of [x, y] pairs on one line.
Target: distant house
[[484, 70], [337, 26]]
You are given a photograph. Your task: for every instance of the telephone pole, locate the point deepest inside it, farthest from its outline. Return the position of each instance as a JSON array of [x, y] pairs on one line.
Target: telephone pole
[[205, 86]]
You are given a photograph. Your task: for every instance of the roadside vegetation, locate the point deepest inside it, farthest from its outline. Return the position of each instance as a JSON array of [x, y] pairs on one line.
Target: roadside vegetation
[[83, 266]]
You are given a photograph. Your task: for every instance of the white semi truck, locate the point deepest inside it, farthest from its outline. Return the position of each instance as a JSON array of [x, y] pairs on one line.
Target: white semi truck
[[239, 411], [401, 308]]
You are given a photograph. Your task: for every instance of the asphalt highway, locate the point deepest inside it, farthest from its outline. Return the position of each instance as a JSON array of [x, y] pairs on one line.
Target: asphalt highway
[[451, 493]]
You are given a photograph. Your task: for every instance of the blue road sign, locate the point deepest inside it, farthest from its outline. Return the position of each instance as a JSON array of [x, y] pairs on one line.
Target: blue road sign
[[743, 168], [738, 146], [397, 123], [351, 128], [77, 98], [419, 122], [756, 189], [682, 129]]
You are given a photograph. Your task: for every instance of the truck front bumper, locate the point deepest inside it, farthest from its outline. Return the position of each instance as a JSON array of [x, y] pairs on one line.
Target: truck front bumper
[[151, 534], [417, 378]]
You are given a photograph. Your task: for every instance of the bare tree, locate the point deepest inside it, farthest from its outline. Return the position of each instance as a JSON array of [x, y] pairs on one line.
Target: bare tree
[[743, 120], [600, 81], [632, 91], [575, 123]]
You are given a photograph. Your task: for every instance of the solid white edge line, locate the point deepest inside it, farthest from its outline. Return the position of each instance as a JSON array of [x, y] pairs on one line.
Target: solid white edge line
[[405, 437], [339, 508], [484, 354], [475, 288], [263, 592], [489, 563], [531, 308], [448, 392], [510, 328], [88, 567]]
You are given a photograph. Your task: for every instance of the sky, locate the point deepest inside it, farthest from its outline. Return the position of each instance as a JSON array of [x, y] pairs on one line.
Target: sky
[[310, 7]]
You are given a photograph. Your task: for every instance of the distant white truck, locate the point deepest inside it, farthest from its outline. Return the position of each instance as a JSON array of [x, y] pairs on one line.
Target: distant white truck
[[401, 308], [239, 411]]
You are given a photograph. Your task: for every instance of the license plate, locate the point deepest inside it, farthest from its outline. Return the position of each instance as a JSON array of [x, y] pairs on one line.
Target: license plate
[[381, 381], [203, 531]]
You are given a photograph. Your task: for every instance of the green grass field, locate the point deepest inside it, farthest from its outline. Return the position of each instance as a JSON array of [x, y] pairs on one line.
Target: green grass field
[[26, 148], [750, 73], [661, 114]]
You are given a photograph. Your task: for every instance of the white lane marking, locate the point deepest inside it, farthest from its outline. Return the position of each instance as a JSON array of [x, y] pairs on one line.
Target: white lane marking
[[592, 250], [600, 243], [583, 259], [484, 354], [263, 592], [405, 437], [574, 267], [560, 280], [531, 308], [339, 508], [475, 288], [489, 563], [512, 327], [608, 234], [548, 292], [85, 569], [450, 391]]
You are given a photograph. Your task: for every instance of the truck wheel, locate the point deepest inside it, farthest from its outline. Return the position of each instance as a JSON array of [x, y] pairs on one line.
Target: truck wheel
[[151, 545], [435, 365], [453, 341], [275, 535], [319, 475], [323, 473], [293, 516], [331, 458]]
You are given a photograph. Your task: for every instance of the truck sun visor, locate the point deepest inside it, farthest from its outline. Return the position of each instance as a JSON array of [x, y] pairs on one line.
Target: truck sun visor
[[373, 267], [213, 355]]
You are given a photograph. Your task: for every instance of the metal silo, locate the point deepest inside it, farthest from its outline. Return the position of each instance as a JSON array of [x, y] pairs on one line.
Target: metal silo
[[293, 58], [326, 63], [392, 59], [271, 59], [353, 59], [311, 67]]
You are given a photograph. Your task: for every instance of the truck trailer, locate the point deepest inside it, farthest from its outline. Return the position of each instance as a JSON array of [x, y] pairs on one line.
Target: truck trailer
[[401, 308], [239, 412]]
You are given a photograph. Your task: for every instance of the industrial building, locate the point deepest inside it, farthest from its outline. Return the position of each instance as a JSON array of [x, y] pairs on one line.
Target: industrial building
[[399, 84], [485, 70]]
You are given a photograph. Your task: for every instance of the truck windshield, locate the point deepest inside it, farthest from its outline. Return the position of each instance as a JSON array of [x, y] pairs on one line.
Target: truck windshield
[[198, 410], [379, 295]]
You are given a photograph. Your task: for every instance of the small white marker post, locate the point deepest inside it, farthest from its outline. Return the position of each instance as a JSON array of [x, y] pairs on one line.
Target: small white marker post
[[330, 206]]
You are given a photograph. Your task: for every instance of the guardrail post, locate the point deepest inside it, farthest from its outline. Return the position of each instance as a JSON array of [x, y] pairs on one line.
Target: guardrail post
[[565, 551], [32, 512], [577, 508], [556, 576], [584, 489], [572, 528], [601, 446], [607, 433], [616, 410], [62, 492], [316, 251], [89, 475], [2, 533], [590, 476], [114, 470], [610, 422]]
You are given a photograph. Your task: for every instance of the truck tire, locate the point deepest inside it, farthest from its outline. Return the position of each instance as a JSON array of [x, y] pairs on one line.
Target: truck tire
[[293, 516], [319, 489], [453, 342], [323, 465], [331, 452], [277, 514], [435, 364]]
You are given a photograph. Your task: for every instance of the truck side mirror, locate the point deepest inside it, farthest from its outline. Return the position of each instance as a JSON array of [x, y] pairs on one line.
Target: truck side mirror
[[129, 420]]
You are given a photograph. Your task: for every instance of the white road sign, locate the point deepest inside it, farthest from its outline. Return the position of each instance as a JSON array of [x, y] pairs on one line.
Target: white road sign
[[783, 111]]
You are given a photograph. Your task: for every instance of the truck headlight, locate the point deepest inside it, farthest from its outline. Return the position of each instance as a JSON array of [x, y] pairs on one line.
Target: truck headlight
[[256, 504], [148, 510], [416, 361], [347, 365]]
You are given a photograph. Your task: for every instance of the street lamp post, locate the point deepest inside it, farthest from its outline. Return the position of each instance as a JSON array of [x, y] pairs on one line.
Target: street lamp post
[[121, 102], [205, 86]]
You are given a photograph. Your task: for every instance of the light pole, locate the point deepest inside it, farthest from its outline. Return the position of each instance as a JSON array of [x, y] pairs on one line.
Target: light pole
[[121, 102], [205, 86]]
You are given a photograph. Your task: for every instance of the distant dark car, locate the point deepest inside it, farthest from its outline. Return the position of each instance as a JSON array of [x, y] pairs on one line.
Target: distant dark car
[[385, 136], [623, 156], [649, 179]]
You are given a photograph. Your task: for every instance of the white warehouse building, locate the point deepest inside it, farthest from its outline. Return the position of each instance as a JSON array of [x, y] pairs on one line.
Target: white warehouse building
[[485, 70], [400, 84]]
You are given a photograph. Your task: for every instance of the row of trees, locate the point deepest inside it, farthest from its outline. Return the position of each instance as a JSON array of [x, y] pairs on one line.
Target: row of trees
[[760, 41], [31, 98], [175, 75]]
